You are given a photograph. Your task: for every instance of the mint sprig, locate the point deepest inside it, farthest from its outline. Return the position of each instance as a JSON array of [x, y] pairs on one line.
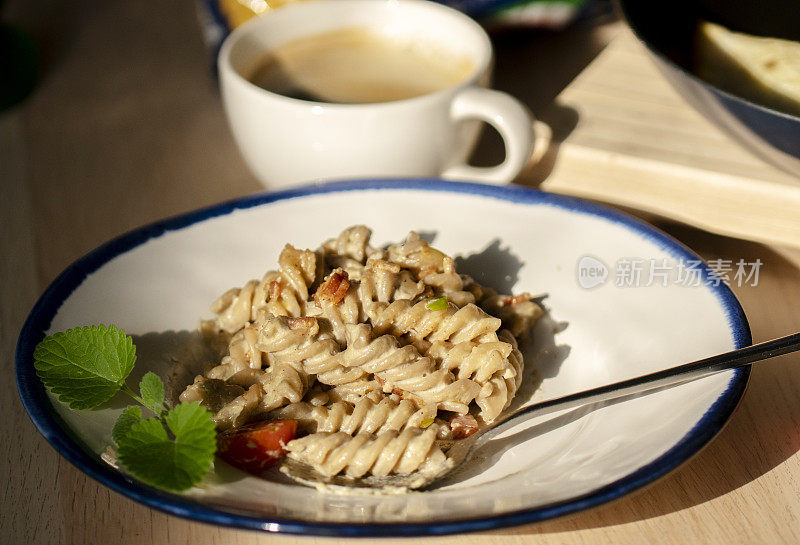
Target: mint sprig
[[86, 366]]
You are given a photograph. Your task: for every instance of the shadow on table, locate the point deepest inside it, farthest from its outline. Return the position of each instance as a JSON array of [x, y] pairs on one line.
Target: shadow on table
[[534, 66], [762, 433]]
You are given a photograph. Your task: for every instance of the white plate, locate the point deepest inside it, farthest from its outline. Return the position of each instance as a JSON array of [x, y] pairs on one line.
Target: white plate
[[158, 281]]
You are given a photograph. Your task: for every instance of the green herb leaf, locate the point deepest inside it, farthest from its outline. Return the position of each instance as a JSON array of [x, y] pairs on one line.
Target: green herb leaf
[[173, 463], [152, 391], [128, 418], [426, 423], [85, 366], [437, 303]]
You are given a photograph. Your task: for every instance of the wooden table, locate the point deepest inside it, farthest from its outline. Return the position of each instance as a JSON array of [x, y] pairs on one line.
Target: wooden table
[[126, 128]]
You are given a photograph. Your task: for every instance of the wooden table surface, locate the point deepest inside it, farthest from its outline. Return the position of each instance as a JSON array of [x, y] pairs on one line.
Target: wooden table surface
[[126, 127]]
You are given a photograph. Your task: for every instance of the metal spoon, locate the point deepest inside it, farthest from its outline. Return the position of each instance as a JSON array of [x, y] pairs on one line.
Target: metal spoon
[[461, 450]]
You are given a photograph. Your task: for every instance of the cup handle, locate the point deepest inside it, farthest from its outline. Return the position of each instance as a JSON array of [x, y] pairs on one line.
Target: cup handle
[[512, 120]]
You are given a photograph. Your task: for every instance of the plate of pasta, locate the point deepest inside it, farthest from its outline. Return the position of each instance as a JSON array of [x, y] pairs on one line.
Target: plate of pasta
[[370, 325]]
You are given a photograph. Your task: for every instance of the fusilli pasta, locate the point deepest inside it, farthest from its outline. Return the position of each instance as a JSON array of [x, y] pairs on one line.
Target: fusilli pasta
[[368, 350], [365, 416], [356, 455]]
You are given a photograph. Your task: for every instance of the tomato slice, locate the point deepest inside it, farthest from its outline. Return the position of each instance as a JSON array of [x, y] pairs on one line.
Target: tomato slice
[[258, 446]]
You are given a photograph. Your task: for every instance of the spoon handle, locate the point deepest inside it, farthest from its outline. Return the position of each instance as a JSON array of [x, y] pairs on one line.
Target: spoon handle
[[653, 381]]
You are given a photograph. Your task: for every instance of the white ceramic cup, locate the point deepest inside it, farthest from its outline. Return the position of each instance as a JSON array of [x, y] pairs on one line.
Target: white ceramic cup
[[287, 141]]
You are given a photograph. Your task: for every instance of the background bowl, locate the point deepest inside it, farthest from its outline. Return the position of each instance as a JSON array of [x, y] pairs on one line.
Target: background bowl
[[667, 29], [219, 17]]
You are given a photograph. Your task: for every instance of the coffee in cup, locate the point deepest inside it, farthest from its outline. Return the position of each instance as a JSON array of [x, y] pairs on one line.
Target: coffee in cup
[[359, 66]]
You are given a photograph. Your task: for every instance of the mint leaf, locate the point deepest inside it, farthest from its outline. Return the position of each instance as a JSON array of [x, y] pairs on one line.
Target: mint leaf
[[152, 391], [126, 419], [176, 463], [85, 366]]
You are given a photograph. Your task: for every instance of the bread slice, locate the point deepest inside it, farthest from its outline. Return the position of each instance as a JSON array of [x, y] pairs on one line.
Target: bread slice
[[763, 70]]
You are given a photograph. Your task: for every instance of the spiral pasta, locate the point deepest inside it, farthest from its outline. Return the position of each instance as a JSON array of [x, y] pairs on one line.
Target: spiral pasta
[[242, 350], [380, 282], [496, 394], [402, 368], [352, 243], [349, 250], [389, 452], [424, 325], [383, 281], [233, 308], [283, 292], [283, 381], [449, 283], [476, 361], [365, 348], [365, 416], [417, 255], [393, 367], [299, 341]]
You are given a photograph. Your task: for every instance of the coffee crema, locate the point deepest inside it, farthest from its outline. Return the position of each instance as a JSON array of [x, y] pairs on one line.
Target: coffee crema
[[358, 66]]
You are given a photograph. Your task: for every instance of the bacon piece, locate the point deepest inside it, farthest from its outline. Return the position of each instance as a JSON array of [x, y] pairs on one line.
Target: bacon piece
[[523, 297], [333, 289], [275, 290], [463, 425]]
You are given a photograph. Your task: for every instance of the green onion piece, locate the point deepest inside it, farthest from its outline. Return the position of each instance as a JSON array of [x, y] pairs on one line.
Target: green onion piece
[[425, 423], [437, 303]]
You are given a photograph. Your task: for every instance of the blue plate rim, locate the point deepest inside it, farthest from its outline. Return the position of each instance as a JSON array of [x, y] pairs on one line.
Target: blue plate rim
[[39, 408]]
